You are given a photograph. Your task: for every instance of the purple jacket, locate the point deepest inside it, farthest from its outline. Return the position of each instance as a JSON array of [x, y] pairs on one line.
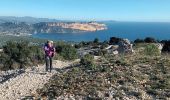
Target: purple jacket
[[49, 51]]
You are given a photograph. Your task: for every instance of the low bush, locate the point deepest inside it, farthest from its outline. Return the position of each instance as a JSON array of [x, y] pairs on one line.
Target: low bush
[[37, 54], [150, 40], [146, 40], [151, 50], [96, 40], [19, 55], [166, 47], [88, 62], [67, 52], [18, 52], [139, 41], [114, 40]]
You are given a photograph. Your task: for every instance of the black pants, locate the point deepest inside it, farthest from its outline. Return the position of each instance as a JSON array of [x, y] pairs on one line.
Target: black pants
[[48, 61]]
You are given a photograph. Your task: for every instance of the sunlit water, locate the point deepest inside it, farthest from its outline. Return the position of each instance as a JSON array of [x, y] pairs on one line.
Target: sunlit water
[[130, 30]]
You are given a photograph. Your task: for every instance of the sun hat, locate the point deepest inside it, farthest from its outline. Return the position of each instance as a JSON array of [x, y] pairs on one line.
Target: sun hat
[[51, 41]]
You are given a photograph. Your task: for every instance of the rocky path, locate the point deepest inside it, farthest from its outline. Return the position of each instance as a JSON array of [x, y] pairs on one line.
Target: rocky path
[[28, 82]]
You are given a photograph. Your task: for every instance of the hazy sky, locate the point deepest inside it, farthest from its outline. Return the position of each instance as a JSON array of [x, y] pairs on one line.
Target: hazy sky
[[121, 10]]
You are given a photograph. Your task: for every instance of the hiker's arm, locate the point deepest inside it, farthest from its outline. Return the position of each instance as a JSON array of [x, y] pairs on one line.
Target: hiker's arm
[[46, 48], [54, 51]]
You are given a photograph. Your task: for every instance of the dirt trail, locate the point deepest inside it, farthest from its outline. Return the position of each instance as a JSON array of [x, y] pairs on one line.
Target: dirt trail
[[27, 83]]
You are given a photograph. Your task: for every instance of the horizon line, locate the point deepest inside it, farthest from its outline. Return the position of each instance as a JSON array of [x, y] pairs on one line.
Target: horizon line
[[84, 19]]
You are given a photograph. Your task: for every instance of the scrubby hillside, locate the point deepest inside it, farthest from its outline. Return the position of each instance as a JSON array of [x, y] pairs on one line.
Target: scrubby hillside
[[141, 75], [135, 72]]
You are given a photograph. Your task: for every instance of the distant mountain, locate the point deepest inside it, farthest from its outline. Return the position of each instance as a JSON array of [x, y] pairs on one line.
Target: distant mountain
[[33, 20], [10, 25], [27, 19], [23, 28]]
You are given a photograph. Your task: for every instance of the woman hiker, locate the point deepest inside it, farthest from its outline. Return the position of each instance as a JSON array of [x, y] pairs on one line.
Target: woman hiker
[[49, 50]]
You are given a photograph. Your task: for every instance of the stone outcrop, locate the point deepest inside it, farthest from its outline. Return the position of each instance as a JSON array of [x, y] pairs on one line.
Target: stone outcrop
[[159, 46], [125, 46], [120, 46]]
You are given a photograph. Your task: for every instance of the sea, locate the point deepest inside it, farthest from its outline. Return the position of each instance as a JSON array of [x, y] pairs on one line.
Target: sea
[[129, 30]]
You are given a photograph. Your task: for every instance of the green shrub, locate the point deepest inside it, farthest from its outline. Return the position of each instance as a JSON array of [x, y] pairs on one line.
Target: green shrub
[[19, 55], [68, 52], [151, 50], [18, 52], [88, 62], [96, 40], [37, 54], [150, 40], [87, 58]]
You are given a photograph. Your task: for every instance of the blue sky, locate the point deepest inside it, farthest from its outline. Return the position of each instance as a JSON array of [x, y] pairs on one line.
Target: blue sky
[[120, 10]]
